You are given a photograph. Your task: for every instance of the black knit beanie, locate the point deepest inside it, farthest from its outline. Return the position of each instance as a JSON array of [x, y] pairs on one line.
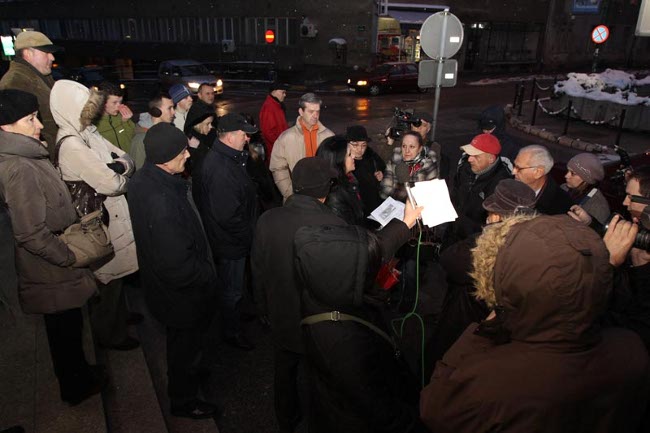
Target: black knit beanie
[[16, 104], [164, 142]]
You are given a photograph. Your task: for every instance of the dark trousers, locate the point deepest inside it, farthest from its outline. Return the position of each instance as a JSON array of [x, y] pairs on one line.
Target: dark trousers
[[183, 351], [231, 272], [286, 395], [66, 349], [108, 313]]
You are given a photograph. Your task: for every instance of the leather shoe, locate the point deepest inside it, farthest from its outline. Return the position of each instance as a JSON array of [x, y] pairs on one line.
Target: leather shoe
[[240, 342], [129, 343], [134, 319], [195, 409]]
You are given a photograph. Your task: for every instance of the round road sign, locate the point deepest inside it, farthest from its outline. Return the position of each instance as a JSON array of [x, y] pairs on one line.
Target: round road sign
[[436, 44], [600, 34]]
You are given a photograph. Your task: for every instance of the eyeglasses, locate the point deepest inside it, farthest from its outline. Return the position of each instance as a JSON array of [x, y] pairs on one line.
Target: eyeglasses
[[516, 167], [358, 144], [639, 199]]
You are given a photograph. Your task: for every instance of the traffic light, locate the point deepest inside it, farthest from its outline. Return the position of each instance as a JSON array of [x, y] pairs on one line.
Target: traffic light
[[269, 36]]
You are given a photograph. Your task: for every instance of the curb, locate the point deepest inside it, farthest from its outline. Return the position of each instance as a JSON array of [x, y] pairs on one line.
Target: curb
[[563, 140]]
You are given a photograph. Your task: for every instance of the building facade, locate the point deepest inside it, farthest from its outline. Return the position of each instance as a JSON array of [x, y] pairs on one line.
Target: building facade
[[498, 35]]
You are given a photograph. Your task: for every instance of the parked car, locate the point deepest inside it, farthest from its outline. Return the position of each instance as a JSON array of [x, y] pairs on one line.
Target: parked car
[[93, 75], [392, 76], [188, 72]]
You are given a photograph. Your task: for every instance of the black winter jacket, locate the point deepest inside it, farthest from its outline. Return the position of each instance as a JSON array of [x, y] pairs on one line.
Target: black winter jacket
[[468, 194], [197, 114], [356, 383], [277, 292], [175, 263], [345, 202], [227, 201], [552, 199], [364, 171]]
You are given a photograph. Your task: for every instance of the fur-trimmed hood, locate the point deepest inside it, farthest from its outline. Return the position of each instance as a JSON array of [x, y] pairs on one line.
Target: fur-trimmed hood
[[484, 256], [550, 276], [74, 106]]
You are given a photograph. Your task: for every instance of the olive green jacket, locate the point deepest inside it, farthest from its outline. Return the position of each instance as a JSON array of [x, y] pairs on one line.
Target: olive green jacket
[[116, 130]]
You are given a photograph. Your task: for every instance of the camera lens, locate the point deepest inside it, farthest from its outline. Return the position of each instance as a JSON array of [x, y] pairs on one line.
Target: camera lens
[[642, 240]]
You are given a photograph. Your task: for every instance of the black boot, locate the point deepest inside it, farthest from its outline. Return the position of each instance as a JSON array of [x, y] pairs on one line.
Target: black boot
[[82, 387]]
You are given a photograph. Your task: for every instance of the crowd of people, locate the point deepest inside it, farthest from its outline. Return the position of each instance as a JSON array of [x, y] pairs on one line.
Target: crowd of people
[[545, 324]]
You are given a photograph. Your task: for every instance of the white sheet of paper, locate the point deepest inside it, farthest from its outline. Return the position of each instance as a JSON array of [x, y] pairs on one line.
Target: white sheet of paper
[[433, 195], [388, 210]]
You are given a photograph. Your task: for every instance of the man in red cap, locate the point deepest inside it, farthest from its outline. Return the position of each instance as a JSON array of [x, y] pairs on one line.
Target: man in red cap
[[479, 173]]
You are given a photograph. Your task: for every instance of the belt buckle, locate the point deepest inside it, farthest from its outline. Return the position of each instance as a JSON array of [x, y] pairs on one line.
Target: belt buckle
[[335, 316]]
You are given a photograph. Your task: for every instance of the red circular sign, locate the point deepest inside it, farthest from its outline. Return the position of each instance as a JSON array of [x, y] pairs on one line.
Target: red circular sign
[[600, 34], [269, 36]]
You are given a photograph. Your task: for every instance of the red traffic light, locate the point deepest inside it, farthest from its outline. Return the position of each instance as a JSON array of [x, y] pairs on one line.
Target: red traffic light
[[269, 36]]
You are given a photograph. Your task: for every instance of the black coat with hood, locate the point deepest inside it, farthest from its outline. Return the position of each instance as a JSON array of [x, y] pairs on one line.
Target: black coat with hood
[[197, 114], [356, 383]]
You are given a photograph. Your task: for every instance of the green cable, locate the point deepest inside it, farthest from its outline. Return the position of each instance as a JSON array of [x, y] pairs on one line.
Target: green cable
[[412, 313]]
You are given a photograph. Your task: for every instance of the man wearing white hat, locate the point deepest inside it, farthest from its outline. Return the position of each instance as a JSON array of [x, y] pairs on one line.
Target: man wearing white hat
[[31, 71]]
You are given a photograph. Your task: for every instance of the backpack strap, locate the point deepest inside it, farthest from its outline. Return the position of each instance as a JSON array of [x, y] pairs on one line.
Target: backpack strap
[[337, 316]]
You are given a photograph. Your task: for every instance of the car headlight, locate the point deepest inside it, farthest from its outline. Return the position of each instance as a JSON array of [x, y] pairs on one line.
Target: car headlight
[[219, 83], [349, 81], [194, 86], [362, 83]]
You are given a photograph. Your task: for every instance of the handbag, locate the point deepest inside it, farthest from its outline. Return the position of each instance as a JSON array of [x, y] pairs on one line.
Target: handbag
[[88, 239], [84, 197]]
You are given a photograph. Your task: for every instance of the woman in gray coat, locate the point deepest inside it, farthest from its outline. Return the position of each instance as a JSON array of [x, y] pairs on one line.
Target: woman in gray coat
[[40, 208]]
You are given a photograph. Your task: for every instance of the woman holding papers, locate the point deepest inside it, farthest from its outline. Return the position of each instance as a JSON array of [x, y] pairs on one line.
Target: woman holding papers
[[410, 163], [344, 198]]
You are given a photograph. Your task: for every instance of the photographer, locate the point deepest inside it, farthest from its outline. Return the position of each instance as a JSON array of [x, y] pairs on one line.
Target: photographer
[[630, 302], [419, 122]]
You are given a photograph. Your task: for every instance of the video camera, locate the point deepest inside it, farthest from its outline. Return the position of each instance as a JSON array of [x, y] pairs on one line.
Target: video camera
[[402, 121]]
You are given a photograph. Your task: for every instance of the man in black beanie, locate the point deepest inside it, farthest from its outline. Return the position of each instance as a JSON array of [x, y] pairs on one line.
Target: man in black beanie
[[176, 266], [277, 293]]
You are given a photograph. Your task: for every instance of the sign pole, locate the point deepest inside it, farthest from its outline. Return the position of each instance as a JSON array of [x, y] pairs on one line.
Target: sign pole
[[440, 59]]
